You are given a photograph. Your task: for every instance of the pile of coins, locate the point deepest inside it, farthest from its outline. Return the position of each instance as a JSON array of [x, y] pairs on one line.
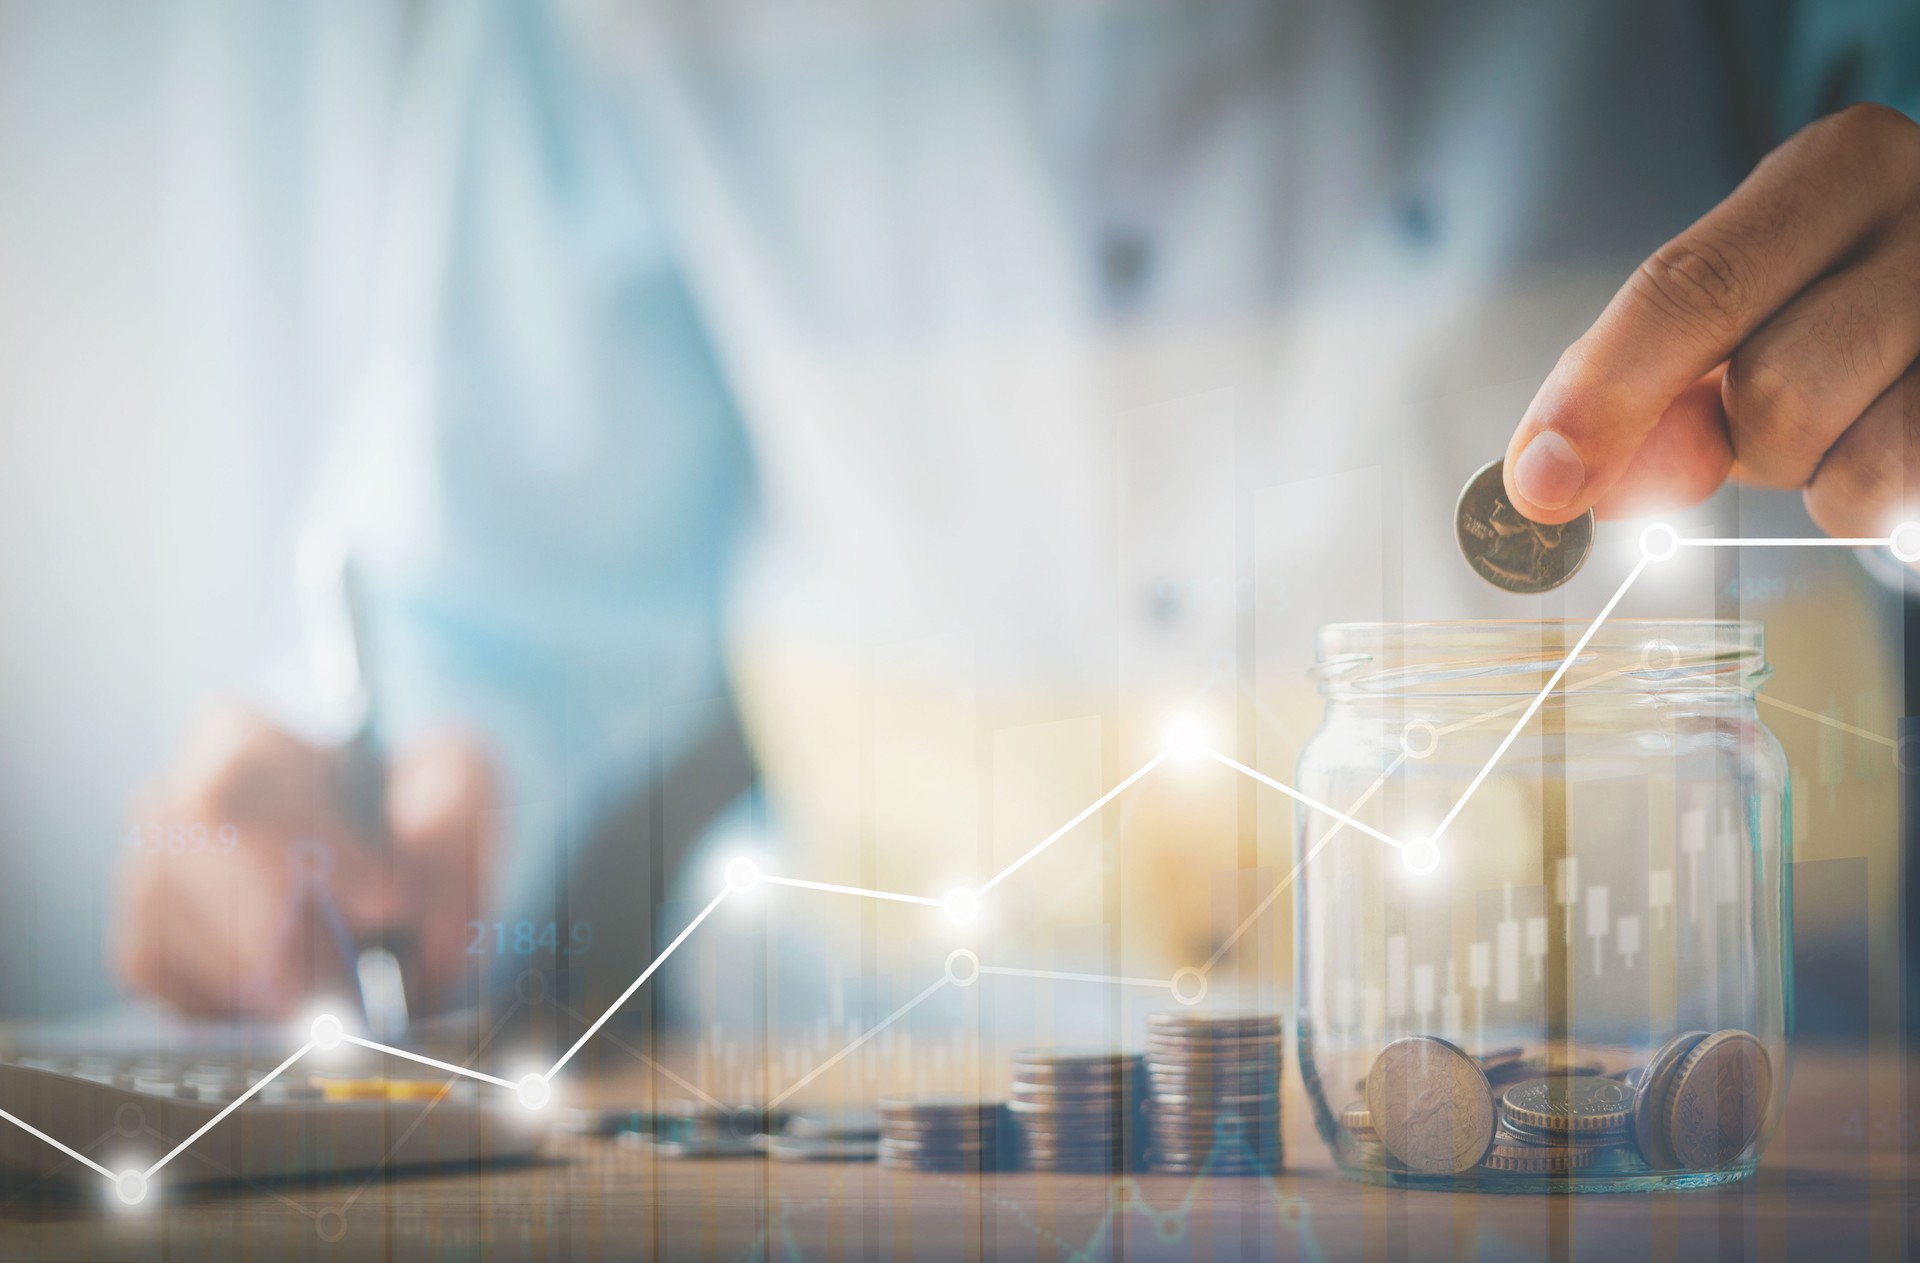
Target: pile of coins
[[1431, 1108], [1560, 1125], [1076, 1110], [941, 1134], [1214, 1093]]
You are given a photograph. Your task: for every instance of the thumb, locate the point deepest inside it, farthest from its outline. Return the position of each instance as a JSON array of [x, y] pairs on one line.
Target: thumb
[[1574, 442]]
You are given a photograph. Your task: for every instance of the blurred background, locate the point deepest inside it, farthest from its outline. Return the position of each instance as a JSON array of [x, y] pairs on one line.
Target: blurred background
[[165, 371], [191, 197]]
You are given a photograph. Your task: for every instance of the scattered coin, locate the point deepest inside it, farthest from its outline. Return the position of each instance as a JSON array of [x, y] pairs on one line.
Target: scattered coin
[[1356, 1118], [1508, 549], [1718, 1100], [1650, 1099], [820, 1149], [1431, 1105]]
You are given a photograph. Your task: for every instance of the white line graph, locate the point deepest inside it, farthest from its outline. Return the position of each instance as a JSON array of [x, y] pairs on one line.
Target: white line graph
[[1658, 543]]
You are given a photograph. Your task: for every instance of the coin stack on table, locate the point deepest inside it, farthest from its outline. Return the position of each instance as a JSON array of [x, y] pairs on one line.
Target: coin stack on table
[[941, 1134], [1076, 1110], [1213, 1100]]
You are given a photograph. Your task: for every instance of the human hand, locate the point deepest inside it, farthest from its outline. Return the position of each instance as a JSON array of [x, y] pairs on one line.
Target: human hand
[[228, 923], [1773, 341]]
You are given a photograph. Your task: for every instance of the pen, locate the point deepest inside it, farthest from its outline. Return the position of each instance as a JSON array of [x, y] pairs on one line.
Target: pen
[[338, 643]]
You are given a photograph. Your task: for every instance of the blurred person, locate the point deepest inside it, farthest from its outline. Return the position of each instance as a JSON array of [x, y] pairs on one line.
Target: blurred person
[[908, 379]]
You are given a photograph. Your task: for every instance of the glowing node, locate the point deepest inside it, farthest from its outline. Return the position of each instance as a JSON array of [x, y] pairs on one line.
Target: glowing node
[[963, 967], [328, 1031], [962, 906], [534, 1091], [330, 1224], [1659, 655], [1183, 739], [1189, 985], [1419, 739], [1421, 856], [742, 874], [530, 986], [1905, 541], [131, 1186], [1659, 542]]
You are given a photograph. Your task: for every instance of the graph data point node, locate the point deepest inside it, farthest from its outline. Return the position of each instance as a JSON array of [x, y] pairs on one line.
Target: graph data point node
[[962, 906], [534, 1091], [330, 1225], [1659, 542], [1419, 739], [1183, 739], [1189, 985], [963, 967], [131, 1187], [1905, 541], [1420, 855], [742, 874], [1659, 655], [327, 1032]]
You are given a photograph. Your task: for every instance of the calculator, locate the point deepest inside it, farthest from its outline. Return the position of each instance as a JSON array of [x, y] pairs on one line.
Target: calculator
[[127, 1112]]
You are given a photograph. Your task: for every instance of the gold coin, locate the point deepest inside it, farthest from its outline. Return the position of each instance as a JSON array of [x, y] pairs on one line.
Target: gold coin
[[1587, 1103], [1430, 1105], [1718, 1100], [1510, 550], [1650, 1099], [1511, 1155]]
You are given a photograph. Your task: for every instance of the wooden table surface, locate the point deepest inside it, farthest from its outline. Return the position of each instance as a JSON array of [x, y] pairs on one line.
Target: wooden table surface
[[1837, 1183]]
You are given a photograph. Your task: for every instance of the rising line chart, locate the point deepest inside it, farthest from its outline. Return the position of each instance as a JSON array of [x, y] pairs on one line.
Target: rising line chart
[[1420, 855]]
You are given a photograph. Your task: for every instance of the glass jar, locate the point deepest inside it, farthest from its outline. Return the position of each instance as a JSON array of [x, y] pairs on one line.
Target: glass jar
[[1601, 916]]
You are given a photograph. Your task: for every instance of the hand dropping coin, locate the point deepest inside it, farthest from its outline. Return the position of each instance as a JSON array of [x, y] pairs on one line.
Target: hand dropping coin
[[1510, 550]]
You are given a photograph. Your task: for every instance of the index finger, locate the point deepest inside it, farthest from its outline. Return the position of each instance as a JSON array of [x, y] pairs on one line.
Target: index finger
[[1686, 308]]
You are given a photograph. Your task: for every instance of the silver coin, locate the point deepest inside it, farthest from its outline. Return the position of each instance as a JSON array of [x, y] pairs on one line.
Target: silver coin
[[1509, 550]]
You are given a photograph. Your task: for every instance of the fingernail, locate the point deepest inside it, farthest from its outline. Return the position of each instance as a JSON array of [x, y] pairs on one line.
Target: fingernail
[[1549, 472]]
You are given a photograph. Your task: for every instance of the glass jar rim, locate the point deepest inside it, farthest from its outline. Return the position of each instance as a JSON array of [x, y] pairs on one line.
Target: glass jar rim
[[1519, 655]]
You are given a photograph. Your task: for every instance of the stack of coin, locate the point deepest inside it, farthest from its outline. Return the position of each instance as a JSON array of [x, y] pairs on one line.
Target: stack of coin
[[1214, 1093], [1430, 1105], [1358, 1142], [1075, 1110], [1701, 1100], [1561, 1124], [940, 1134]]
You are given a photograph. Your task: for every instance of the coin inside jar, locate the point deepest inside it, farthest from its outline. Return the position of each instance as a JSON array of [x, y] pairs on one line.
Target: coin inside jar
[[1431, 1105], [1718, 1099], [1650, 1099], [1510, 550], [1584, 1104]]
